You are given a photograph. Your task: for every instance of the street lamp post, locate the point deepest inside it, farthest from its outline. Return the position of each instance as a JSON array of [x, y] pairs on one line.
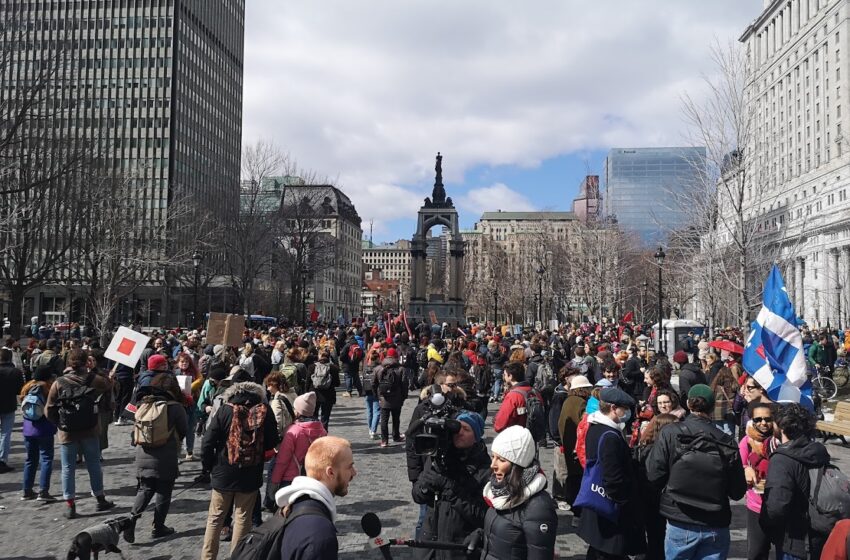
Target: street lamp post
[[304, 298], [659, 258], [540, 272], [642, 299], [196, 260], [496, 307], [398, 298]]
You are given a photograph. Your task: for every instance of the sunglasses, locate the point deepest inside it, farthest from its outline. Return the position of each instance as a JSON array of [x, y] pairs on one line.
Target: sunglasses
[[763, 420], [751, 387]]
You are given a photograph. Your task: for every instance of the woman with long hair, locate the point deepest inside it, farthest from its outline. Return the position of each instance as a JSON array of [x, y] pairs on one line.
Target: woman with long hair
[[569, 418], [521, 521], [186, 366], [39, 434], [373, 405], [650, 493], [517, 355], [725, 387]]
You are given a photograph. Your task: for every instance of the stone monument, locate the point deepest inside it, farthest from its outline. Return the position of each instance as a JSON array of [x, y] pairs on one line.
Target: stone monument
[[437, 210]]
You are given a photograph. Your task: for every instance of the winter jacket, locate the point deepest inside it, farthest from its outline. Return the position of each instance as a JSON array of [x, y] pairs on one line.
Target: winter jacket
[[100, 385], [496, 360], [351, 367], [283, 412], [11, 382], [785, 503], [512, 410], [571, 413], [625, 537], [531, 368], [227, 477], [392, 373], [663, 459], [42, 427], [146, 377], [631, 377], [161, 462], [555, 407], [311, 535], [324, 395], [293, 448], [456, 506], [689, 375], [524, 532]]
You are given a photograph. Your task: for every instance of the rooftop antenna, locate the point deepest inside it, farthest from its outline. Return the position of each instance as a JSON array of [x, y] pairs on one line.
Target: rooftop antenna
[[371, 227]]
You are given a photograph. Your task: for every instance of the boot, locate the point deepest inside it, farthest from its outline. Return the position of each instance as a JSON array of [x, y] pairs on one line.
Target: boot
[[129, 532], [71, 511], [103, 504], [160, 532]]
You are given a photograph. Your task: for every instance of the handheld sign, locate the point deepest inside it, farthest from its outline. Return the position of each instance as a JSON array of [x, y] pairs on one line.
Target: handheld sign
[[126, 347], [226, 329]]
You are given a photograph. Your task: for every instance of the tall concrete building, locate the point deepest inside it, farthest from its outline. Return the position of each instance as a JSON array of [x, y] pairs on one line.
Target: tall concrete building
[[645, 188], [799, 54], [388, 261], [160, 85]]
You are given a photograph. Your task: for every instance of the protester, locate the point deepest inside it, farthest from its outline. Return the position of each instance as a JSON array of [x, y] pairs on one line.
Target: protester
[[297, 440], [351, 357], [650, 493], [236, 440], [186, 366], [512, 411], [79, 427], [725, 387], [785, 503], [521, 521], [323, 379], [388, 382], [608, 454], [756, 448], [38, 433], [572, 412], [329, 465], [157, 454], [11, 382], [450, 487], [370, 390], [690, 374], [697, 485]]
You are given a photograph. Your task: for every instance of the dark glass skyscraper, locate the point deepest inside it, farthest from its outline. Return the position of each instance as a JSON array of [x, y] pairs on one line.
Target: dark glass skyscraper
[[646, 188]]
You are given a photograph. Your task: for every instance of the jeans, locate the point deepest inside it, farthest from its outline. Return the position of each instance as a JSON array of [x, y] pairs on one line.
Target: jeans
[[497, 383], [220, 504], [323, 410], [352, 381], [90, 448], [423, 511], [7, 420], [373, 412], [192, 419], [148, 488], [385, 421], [685, 542], [38, 448]]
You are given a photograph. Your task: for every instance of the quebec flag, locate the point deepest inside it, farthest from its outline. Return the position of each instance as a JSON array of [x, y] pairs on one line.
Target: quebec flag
[[773, 354]]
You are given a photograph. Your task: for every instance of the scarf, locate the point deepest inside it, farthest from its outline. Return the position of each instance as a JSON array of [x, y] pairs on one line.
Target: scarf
[[497, 495], [761, 448]]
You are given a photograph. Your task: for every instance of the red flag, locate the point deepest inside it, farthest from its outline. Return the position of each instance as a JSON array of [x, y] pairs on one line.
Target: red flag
[[314, 315], [629, 317], [409, 333]]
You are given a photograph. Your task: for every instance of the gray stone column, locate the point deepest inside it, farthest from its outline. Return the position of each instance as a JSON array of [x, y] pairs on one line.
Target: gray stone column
[[456, 269], [799, 286]]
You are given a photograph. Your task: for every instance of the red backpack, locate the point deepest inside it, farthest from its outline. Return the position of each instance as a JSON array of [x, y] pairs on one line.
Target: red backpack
[[581, 436], [355, 353]]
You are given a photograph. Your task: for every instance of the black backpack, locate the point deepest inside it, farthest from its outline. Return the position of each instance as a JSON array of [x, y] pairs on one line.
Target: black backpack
[[387, 382], [422, 356], [77, 405], [264, 542], [701, 457], [535, 414]]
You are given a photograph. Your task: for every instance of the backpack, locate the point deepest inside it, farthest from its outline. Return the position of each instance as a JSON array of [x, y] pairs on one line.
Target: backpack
[[545, 378], [77, 405], [829, 498], [264, 542], [580, 364], [581, 438], [290, 375], [700, 457], [245, 437], [422, 356], [321, 376], [150, 427], [32, 407], [355, 353], [262, 365], [535, 414], [387, 382]]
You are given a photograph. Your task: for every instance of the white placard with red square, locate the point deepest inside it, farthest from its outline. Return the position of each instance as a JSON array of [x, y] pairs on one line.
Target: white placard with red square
[[126, 347]]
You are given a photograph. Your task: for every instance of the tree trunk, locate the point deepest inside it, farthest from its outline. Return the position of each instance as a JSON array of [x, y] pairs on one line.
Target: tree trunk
[[16, 312]]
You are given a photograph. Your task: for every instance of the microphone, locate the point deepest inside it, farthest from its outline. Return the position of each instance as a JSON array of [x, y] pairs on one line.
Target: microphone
[[372, 527]]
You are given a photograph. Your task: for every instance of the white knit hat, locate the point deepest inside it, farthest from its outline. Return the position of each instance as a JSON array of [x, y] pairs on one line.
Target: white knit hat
[[516, 445]]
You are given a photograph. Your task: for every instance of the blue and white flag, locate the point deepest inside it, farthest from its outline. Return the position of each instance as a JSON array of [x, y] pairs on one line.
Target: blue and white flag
[[774, 355]]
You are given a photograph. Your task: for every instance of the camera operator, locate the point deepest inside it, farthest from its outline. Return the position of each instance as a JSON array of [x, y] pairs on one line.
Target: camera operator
[[451, 485]]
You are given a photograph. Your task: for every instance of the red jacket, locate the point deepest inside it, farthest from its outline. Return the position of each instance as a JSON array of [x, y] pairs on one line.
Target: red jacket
[[836, 545], [512, 411]]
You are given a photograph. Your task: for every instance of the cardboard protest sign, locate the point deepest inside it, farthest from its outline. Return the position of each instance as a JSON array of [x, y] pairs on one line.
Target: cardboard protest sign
[[433, 317], [126, 347], [185, 382], [226, 329]]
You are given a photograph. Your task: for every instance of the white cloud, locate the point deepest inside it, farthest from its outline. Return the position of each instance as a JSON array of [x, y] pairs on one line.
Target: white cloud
[[493, 198], [369, 92]]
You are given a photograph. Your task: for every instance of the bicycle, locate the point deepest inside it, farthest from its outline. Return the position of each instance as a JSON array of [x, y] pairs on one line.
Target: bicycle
[[824, 386]]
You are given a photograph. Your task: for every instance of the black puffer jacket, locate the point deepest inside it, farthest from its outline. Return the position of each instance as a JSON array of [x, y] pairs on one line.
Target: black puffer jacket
[[227, 477], [392, 374], [526, 532], [459, 507], [786, 493], [689, 375]]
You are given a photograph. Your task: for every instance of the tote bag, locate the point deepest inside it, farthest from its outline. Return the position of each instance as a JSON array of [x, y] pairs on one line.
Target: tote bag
[[592, 494]]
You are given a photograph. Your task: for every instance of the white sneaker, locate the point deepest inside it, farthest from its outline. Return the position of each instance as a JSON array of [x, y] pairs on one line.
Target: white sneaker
[[563, 506], [190, 457], [118, 423]]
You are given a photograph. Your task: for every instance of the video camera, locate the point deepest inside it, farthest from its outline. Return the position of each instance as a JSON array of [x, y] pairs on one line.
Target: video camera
[[434, 430]]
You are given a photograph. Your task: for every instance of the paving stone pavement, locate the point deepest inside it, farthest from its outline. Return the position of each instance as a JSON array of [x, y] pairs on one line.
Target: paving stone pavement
[[36, 531]]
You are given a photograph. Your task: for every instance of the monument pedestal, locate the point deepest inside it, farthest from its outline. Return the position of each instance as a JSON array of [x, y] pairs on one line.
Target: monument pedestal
[[445, 311]]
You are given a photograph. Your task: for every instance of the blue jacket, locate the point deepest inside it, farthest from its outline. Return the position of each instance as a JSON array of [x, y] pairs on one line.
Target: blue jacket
[[309, 536]]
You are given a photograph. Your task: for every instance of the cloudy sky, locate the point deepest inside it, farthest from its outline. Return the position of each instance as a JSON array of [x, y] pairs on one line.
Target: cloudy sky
[[522, 99]]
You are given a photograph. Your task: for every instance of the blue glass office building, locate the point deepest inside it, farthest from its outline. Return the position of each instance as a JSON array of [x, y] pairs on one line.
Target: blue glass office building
[[646, 188]]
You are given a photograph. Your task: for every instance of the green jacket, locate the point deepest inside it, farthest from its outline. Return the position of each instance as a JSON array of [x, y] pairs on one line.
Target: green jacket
[[816, 354]]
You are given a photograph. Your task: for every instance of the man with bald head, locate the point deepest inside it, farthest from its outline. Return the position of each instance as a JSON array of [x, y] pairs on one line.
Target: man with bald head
[[330, 468]]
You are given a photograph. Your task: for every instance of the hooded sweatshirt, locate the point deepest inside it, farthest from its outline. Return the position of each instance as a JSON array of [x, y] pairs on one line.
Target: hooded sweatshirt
[[308, 536], [294, 448]]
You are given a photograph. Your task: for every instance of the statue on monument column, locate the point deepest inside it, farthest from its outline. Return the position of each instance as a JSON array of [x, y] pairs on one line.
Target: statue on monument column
[[439, 194]]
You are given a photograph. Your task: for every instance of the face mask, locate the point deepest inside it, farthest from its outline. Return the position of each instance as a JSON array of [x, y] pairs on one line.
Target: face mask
[[626, 417]]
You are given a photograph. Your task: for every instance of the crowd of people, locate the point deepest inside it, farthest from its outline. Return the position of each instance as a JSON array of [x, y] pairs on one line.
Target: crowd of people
[[649, 451]]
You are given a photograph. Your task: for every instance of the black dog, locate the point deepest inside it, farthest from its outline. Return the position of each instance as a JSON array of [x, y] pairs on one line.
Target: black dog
[[104, 537]]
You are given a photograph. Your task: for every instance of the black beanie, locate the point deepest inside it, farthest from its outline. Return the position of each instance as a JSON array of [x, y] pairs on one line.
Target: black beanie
[[218, 372], [43, 373]]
